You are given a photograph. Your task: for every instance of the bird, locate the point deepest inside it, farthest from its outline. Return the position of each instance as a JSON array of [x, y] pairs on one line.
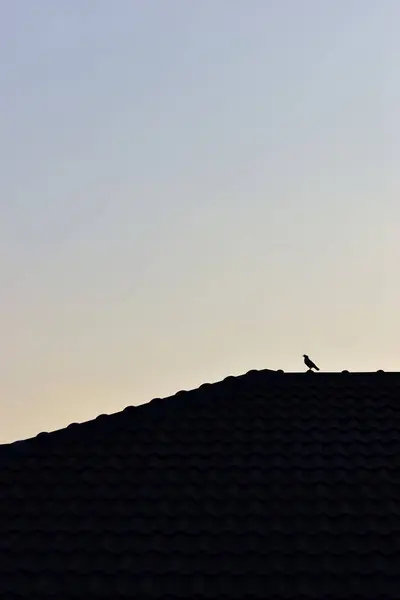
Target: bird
[[309, 363]]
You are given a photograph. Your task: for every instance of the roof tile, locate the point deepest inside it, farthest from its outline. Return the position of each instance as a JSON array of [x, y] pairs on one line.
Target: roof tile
[[268, 485]]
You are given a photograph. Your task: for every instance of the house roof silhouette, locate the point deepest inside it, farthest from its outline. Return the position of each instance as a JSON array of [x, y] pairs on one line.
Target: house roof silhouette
[[267, 485]]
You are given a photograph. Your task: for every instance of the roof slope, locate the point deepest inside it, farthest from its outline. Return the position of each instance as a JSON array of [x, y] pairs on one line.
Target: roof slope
[[268, 485]]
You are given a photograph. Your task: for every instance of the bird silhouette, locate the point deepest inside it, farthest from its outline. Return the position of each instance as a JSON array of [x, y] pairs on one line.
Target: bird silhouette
[[309, 363]]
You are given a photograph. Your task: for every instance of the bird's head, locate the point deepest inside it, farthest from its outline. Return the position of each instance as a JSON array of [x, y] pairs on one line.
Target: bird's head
[[305, 356]]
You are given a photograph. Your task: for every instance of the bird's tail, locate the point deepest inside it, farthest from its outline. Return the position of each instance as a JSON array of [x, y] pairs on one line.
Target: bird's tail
[[316, 368]]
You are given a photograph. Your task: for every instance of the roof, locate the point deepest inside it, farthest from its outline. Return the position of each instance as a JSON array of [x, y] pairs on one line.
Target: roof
[[267, 485]]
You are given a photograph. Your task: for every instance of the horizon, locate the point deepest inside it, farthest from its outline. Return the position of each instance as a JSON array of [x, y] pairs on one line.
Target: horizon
[[191, 191]]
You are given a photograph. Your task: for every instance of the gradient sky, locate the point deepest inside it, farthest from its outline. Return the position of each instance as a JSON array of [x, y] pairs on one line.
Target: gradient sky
[[189, 190]]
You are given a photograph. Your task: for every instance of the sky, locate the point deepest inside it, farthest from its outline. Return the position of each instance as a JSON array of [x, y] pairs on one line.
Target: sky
[[191, 190]]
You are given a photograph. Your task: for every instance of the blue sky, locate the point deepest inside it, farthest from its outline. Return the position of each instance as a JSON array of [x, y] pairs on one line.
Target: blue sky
[[191, 190]]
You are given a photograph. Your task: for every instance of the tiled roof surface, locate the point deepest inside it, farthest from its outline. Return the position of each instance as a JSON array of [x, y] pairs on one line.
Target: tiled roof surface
[[268, 485]]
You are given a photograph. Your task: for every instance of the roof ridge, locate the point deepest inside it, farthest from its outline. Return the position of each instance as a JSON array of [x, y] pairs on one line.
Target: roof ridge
[[106, 423], [156, 404]]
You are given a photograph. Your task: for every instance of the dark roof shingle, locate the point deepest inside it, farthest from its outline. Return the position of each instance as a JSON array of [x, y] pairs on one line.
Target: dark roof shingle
[[261, 486]]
